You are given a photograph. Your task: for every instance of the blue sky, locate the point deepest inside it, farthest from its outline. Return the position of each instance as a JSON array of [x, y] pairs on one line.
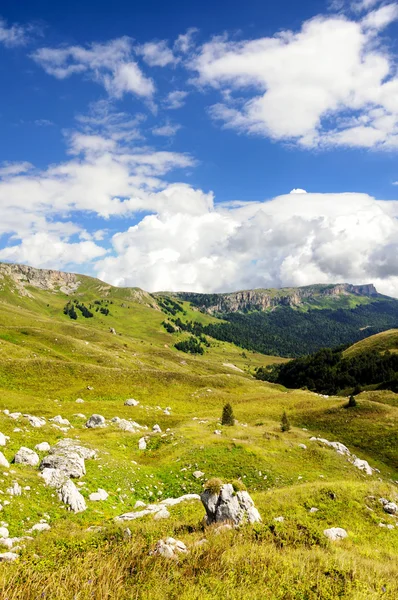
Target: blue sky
[[158, 144]]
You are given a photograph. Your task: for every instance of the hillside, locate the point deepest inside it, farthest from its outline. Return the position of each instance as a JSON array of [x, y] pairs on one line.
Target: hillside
[[370, 364], [63, 370]]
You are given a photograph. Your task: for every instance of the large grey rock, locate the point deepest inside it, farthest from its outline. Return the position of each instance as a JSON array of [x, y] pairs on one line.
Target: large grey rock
[[229, 506], [26, 456], [335, 533], [391, 508], [53, 477], [69, 462], [68, 445], [70, 495], [96, 421]]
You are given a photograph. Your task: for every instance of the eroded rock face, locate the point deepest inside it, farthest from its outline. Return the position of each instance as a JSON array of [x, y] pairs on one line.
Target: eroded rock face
[[229, 506], [70, 495], [44, 279]]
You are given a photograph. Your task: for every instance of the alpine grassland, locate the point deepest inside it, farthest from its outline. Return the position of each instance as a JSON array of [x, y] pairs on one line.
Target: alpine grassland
[[49, 361]]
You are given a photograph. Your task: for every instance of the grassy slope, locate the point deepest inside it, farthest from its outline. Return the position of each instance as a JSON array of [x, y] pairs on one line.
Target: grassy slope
[[47, 361], [387, 340]]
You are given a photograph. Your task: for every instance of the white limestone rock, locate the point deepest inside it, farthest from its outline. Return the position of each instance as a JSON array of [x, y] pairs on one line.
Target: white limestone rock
[[70, 463], [98, 495], [59, 420], [35, 421], [39, 527], [335, 533], [3, 461], [8, 557], [43, 447], [131, 402], [53, 477], [156, 429], [363, 465], [142, 444], [26, 456], [391, 508], [70, 495], [14, 490], [228, 505], [198, 474], [169, 548], [163, 513], [4, 533], [3, 439]]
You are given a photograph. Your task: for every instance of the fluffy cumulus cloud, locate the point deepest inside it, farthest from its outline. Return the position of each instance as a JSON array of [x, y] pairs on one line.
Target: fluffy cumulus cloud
[[333, 83], [190, 243], [111, 64]]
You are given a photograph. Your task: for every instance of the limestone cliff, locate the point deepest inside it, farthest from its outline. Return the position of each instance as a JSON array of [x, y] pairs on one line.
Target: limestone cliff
[[22, 276], [249, 300]]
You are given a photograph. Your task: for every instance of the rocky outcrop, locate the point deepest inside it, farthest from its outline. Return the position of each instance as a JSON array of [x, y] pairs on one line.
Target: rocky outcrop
[[23, 276], [26, 456], [249, 300], [229, 506]]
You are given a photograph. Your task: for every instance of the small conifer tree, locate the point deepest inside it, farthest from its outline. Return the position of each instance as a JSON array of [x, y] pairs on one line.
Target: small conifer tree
[[285, 425], [351, 402], [227, 415]]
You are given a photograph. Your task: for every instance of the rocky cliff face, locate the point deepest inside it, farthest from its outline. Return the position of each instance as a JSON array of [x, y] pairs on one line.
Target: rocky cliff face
[[250, 300], [22, 276]]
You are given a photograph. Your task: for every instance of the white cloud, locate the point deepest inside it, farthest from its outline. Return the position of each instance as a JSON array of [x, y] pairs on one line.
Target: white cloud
[[13, 35], [184, 42], [168, 130], [8, 169], [331, 83], [176, 99], [192, 244], [50, 251], [156, 54], [298, 191], [109, 64]]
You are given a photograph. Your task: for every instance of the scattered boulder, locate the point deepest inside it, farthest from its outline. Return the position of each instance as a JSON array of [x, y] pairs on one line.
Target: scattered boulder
[[141, 444], [338, 446], [99, 495], [96, 421], [70, 463], [279, 519], [156, 429], [43, 447], [131, 402], [363, 465], [126, 425], [335, 533], [228, 505], [198, 474], [4, 533], [80, 400], [112, 330], [303, 446], [35, 421], [3, 461], [26, 456], [8, 557], [15, 490], [70, 495], [59, 420], [169, 548], [40, 527], [155, 508], [313, 510], [3, 439], [14, 415], [391, 508], [217, 432]]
